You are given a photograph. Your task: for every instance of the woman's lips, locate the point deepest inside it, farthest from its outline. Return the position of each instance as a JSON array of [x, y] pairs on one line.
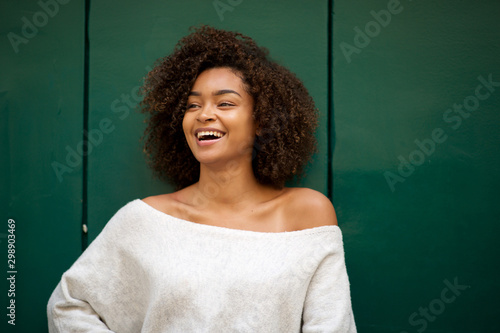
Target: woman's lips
[[207, 142], [208, 136]]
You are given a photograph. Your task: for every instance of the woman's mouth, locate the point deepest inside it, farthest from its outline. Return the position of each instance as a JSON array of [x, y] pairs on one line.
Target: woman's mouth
[[208, 137]]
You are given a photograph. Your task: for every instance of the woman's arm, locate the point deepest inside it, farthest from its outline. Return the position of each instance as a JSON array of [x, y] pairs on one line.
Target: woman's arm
[[101, 291], [68, 314], [327, 307], [85, 283]]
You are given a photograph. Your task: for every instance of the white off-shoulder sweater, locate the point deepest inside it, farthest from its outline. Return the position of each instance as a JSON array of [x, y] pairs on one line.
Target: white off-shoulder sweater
[[151, 272]]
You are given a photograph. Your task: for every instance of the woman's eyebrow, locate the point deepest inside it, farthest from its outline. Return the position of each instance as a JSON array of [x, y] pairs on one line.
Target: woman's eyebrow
[[216, 93], [225, 91]]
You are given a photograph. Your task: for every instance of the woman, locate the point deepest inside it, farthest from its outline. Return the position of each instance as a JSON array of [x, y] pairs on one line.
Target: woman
[[233, 250]]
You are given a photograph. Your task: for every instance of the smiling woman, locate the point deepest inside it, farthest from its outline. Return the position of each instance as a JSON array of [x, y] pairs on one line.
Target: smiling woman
[[218, 122], [228, 126], [283, 110]]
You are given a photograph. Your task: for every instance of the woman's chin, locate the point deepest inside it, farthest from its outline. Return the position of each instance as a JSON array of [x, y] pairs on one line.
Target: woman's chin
[[220, 160], [209, 159]]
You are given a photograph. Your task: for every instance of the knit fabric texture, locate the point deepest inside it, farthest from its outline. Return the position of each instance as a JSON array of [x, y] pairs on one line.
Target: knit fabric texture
[[151, 272]]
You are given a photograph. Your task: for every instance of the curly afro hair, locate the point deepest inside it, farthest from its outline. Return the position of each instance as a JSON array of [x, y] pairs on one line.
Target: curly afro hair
[[283, 109]]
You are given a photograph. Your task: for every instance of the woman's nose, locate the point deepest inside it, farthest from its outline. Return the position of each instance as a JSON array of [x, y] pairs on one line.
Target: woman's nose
[[206, 114]]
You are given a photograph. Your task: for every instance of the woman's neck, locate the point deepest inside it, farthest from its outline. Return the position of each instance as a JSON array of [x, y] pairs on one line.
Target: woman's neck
[[230, 186]]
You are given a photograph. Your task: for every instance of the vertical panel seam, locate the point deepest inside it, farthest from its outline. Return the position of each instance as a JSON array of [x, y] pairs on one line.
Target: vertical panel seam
[[330, 122], [84, 225]]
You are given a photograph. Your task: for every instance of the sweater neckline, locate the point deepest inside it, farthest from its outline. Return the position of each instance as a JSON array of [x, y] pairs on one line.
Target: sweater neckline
[[215, 228]]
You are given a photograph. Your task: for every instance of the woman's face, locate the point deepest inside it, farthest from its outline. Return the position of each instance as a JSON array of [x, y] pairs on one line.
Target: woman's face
[[218, 123]]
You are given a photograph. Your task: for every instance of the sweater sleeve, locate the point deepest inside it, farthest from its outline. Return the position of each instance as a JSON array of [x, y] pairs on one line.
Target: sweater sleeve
[[98, 287], [68, 314], [327, 307]]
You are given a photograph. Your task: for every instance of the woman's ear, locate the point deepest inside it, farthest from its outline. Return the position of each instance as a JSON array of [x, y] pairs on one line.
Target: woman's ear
[[258, 130]]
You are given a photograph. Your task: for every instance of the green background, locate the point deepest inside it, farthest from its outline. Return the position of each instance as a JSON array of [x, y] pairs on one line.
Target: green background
[[402, 243]]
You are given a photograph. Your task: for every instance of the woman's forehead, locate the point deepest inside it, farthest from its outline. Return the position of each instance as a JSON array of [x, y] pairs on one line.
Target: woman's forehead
[[217, 79]]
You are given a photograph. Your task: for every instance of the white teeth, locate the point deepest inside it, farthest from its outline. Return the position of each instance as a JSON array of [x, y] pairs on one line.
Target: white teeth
[[213, 133]]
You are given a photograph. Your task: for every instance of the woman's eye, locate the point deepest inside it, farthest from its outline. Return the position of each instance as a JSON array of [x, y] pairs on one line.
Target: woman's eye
[[226, 104], [190, 106]]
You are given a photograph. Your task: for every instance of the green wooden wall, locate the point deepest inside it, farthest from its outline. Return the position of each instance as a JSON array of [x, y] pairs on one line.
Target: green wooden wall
[[41, 107], [126, 40], [439, 220], [385, 76]]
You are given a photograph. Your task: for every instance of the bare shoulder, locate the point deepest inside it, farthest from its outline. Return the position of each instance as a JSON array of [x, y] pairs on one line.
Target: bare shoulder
[[307, 208], [157, 201], [166, 203]]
